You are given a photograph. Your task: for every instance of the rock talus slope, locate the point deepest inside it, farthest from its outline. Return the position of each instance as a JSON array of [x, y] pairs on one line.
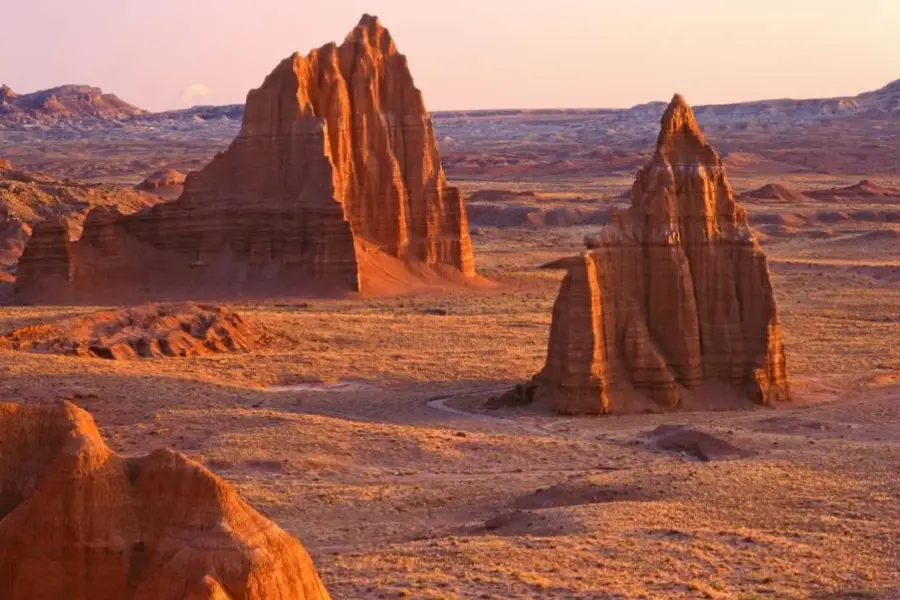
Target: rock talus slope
[[336, 158], [673, 307], [78, 521]]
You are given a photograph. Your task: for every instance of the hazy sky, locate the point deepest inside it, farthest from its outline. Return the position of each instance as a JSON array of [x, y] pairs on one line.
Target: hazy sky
[[162, 54]]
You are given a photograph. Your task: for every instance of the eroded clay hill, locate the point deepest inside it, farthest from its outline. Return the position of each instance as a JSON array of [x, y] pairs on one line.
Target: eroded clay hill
[[149, 331], [78, 521], [333, 182], [673, 306]]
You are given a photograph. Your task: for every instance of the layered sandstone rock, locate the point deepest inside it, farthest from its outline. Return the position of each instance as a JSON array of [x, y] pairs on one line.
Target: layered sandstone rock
[[78, 521], [336, 167], [150, 331], [28, 198], [673, 306]]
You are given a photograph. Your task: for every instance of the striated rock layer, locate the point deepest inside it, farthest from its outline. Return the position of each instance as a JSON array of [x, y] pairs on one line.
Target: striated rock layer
[[335, 170], [673, 306], [78, 521]]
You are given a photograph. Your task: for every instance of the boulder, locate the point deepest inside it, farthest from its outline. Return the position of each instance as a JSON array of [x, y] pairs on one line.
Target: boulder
[[162, 180], [672, 307], [80, 522], [335, 172]]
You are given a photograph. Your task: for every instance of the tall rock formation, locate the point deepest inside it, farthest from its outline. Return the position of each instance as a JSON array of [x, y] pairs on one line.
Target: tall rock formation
[[674, 304], [334, 178], [78, 521]]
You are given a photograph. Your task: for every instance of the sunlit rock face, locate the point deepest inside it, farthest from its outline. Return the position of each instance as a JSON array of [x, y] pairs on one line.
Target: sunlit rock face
[[80, 522], [673, 305], [335, 165]]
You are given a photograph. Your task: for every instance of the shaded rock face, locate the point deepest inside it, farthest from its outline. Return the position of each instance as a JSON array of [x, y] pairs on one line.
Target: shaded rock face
[[673, 306], [78, 521], [150, 331], [336, 158]]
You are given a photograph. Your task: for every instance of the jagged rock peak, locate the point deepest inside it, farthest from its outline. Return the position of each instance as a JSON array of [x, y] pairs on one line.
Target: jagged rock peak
[[334, 182], [372, 33], [672, 307], [680, 141]]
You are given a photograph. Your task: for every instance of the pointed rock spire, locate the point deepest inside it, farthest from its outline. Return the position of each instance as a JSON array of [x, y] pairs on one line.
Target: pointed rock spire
[[680, 139], [673, 300]]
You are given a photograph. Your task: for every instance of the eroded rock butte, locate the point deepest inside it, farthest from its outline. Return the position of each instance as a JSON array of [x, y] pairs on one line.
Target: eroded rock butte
[[78, 521], [673, 306], [334, 182]]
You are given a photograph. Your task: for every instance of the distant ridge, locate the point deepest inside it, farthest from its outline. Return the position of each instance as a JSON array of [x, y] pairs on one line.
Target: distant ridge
[[66, 102], [74, 102]]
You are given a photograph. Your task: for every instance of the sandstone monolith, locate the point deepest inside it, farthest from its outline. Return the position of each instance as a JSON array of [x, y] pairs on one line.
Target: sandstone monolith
[[80, 522], [673, 305], [333, 181]]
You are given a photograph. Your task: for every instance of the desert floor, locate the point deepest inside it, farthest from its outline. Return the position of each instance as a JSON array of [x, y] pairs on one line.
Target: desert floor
[[377, 453]]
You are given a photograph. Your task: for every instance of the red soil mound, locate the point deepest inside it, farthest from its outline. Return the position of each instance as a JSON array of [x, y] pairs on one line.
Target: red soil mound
[[150, 331]]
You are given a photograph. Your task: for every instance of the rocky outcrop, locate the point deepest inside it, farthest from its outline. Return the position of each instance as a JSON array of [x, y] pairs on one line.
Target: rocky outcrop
[[335, 171], [150, 331], [27, 198], [162, 180], [78, 521], [673, 307]]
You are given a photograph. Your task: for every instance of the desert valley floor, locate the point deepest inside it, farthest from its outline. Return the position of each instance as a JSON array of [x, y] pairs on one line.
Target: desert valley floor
[[362, 429]]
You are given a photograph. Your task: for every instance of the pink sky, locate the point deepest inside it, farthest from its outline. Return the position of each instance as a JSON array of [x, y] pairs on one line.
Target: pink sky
[[464, 54]]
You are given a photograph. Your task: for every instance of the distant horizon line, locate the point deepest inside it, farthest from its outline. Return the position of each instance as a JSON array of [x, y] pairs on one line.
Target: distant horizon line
[[892, 83]]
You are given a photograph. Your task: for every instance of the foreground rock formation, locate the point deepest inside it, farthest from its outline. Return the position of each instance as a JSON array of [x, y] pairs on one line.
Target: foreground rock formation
[[150, 331], [28, 198], [333, 182], [78, 521], [673, 307]]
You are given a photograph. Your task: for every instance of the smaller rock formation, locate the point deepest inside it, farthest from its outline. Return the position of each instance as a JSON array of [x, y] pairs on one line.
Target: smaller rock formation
[[161, 181], [673, 306], [80, 522], [151, 331], [5, 165]]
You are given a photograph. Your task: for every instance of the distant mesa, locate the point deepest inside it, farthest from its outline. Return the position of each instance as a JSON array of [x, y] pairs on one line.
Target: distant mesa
[[5, 165], [67, 102], [150, 331], [673, 307], [777, 191], [78, 521], [334, 183]]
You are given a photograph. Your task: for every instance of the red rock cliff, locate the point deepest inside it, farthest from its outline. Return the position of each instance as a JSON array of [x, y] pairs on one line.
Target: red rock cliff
[[674, 306], [336, 157]]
